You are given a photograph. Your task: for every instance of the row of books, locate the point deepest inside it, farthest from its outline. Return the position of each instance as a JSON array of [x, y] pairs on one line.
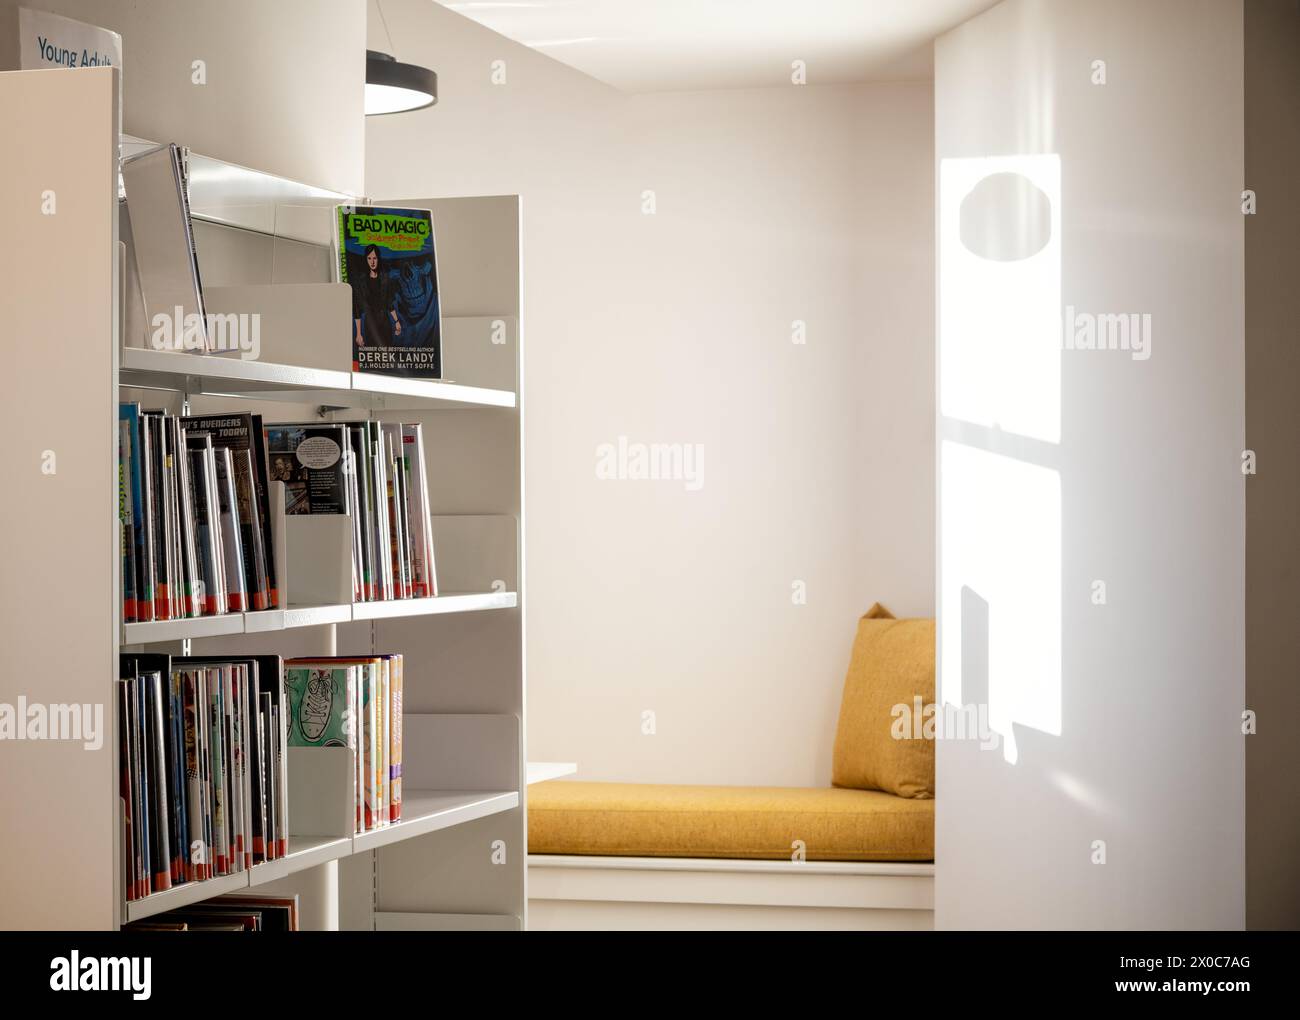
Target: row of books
[[193, 496], [203, 761], [236, 912], [196, 530], [203, 769], [354, 702], [374, 471]]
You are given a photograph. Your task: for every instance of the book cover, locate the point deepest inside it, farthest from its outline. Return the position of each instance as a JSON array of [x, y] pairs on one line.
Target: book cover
[[388, 258], [320, 706], [310, 461]]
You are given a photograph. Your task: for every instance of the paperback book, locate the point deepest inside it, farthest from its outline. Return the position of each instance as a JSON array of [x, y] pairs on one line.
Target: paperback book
[[388, 258]]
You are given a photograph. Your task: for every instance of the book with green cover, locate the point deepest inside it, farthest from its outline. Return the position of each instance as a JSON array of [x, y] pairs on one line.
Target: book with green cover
[[320, 710]]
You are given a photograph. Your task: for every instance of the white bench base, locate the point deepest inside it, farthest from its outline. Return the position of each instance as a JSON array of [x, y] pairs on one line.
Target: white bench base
[[580, 893]]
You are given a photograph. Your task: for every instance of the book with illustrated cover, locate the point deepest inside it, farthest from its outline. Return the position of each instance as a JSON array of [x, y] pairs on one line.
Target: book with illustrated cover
[[388, 258], [376, 700], [310, 460], [320, 706]]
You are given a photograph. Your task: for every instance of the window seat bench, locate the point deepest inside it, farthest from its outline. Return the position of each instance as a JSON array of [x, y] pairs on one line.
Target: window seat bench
[[623, 855]]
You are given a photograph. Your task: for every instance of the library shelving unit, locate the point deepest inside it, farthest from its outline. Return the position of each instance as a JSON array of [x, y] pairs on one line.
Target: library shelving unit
[[76, 344]]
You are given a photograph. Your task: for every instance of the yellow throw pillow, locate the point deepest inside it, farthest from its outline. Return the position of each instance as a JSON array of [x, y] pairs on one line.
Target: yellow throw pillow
[[892, 664]]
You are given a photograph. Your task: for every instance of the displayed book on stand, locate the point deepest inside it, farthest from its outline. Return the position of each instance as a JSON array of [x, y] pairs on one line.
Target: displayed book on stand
[[388, 258]]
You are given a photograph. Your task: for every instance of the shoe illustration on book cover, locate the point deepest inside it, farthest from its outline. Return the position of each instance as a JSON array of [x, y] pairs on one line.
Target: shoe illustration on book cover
[[319, 701]]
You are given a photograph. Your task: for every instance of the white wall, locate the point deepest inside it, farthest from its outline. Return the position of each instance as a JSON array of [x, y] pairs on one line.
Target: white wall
[[284, 84], [771, 205], [1143, 749]]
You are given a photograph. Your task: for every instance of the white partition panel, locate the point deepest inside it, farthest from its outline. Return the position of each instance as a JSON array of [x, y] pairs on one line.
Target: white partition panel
[[58, 300]]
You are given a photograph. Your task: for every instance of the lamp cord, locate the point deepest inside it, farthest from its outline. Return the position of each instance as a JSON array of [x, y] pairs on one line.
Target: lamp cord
[[384, 21]]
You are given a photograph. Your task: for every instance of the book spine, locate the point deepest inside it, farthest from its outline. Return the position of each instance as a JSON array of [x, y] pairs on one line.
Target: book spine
[[130, 861], [180, 826], [196, 856], [395, 737], [162, 857], [140, 767], [262, 481], [385, 743], [217, 723], [127, 537], [280, 722]]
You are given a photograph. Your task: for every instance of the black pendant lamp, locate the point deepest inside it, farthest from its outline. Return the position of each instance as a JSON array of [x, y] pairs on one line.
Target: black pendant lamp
[[393, 87]]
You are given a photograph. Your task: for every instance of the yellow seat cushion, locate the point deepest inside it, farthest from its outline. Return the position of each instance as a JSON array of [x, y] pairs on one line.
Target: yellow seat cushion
[[891, 675], [749, 822]]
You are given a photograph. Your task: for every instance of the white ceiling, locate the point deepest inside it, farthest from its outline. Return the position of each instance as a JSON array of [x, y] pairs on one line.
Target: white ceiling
[[667, 45]]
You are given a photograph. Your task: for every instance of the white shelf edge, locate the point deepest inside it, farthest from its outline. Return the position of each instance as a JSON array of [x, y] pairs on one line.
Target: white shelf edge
[[310, 384], [177, 630], [542, 771], [232, 368], [304, 852], [316, 616], [450, 603], [430, 390], [426, 811], [265, 621], [184, 895]]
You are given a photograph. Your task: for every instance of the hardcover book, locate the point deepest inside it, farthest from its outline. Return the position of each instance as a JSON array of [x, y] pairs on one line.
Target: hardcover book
[[388, 258]]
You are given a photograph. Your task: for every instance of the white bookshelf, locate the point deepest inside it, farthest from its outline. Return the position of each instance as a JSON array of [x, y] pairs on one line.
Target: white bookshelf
[[221, 375], [460, 847], [267, 620], [543, 771]]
